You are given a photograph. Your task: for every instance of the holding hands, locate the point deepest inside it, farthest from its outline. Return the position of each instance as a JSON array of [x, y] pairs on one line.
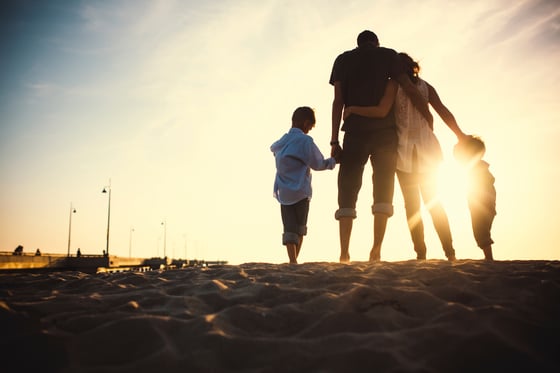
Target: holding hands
[[336, 150]]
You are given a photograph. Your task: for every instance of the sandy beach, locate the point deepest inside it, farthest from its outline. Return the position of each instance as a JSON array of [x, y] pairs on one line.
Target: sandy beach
[[410, 316]]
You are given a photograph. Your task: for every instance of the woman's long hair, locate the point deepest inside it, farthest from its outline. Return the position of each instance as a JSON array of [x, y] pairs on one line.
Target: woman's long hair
[[412, 67]]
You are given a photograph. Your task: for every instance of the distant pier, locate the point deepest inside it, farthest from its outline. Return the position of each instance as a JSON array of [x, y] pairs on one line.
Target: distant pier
[[93, 263]]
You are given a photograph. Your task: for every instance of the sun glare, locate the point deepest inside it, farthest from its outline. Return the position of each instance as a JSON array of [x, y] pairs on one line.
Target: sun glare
[[452, 187]]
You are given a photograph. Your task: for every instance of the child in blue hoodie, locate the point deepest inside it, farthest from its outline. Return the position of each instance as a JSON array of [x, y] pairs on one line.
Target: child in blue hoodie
[[296, 154]]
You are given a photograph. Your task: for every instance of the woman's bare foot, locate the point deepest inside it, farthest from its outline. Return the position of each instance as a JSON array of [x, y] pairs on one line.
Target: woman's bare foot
[[375, 255]]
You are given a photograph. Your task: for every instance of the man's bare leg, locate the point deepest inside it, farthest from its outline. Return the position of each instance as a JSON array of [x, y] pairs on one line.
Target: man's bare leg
[[298, 247], [379, 227], [488, 253], [345, 230], [292, 249]]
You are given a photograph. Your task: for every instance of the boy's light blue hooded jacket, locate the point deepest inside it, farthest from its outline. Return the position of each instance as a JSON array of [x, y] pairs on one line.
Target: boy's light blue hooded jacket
[[296, 154]]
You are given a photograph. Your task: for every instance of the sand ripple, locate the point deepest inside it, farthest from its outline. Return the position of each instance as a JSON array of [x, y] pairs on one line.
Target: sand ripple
[[431, 316]]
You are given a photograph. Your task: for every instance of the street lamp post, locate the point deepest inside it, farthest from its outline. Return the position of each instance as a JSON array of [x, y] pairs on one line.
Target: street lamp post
[[164, 223], [107, 189], [130, 243], [72, 211], [186, 257]]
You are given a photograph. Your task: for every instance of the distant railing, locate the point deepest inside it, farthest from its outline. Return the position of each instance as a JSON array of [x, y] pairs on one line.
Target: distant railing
[[91, 262]]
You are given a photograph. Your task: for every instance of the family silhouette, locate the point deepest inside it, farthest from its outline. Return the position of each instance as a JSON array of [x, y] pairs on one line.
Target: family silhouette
[[382, 106]]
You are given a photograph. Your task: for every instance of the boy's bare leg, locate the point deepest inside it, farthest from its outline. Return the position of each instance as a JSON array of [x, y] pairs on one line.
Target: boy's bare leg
[[488, 252], [292, 250], [298, 247], [379, 227], [345, 230]]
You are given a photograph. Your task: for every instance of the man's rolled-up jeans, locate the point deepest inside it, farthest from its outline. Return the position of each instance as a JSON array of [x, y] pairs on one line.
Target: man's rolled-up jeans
[[380, 147]]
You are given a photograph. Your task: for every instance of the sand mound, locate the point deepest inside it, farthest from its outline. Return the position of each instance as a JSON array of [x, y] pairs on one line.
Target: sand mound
[[431, 316]]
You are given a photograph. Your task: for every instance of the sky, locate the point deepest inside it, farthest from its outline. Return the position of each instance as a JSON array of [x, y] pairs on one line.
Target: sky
[[174, 105]]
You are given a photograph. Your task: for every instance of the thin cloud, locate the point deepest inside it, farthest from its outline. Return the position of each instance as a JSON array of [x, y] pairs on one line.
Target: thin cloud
[[527, 22]]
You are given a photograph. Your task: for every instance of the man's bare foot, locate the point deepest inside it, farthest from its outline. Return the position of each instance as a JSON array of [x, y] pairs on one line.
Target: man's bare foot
[[488, 253], [345, 258], [375, 255]]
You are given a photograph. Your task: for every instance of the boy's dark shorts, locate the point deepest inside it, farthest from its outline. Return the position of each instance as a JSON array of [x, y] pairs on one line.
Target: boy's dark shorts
[[294, 219]]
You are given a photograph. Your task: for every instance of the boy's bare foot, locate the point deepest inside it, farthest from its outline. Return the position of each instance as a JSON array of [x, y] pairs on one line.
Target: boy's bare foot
[[375, 255], [292, 249]]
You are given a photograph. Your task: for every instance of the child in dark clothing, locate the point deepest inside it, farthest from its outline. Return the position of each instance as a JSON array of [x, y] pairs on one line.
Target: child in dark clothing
[[481, 191]]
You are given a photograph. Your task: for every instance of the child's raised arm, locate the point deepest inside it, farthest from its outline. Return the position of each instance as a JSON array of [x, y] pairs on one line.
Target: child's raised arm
[[378, 111]]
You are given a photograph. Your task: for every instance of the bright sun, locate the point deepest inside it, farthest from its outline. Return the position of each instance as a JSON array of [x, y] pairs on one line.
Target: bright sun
[[452, 179], [452, 187]]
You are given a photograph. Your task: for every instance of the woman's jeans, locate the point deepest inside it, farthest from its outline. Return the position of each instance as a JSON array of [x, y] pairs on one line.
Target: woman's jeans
[[424, 185]]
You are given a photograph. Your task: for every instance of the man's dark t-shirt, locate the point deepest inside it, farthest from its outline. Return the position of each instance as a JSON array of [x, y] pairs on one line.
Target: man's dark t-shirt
[[363, 73]]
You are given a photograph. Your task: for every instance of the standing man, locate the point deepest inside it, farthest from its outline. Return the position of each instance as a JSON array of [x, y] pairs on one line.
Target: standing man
[[359, 77]]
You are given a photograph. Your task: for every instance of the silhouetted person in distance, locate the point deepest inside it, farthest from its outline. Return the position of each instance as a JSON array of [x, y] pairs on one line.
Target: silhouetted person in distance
[[359, 77], [18, 250], [296, 154], [78, 253], [37, 252], [419, 156], [481, 193]]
